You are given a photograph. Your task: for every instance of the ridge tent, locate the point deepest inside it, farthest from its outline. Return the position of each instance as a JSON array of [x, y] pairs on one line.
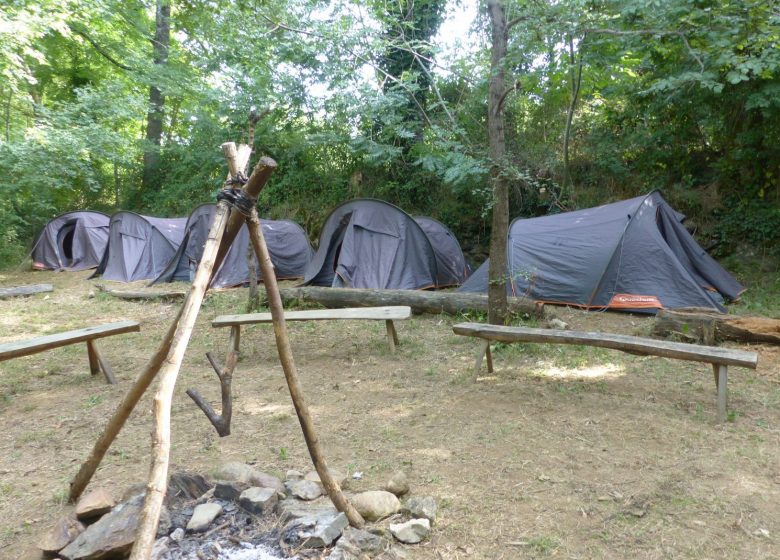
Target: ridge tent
[[287, 243], [367, 243], [71, 241], [450, 262], [633, 255], [139, 246]]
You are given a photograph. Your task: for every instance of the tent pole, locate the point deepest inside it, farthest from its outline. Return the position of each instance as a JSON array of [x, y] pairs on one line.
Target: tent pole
[[291, 374]]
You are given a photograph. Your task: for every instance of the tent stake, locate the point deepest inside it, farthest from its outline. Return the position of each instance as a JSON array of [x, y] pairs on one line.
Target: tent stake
[[291, 374]]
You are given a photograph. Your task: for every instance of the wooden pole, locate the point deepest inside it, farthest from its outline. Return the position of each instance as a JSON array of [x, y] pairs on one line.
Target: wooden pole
[[213, 252], [221, 422], [291, 374], [121, 414], [253, 187]]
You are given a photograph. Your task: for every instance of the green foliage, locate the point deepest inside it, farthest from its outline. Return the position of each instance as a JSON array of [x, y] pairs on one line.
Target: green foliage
[[358, 100]]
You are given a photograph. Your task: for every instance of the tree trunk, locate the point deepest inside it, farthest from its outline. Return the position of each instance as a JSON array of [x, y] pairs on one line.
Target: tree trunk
[[154, 116], [420, 301], [706, 327], [575, 79], [497, 298]]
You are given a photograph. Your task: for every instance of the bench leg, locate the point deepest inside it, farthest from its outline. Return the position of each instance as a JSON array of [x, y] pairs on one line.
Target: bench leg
[[97, 363], [392, 336], [484, 352], [722, 373], [235, 339]]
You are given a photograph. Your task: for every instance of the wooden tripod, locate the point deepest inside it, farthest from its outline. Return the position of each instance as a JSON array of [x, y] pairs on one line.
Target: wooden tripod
[[170, 354]]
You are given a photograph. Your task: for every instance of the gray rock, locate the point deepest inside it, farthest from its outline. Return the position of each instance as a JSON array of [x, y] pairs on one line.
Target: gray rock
[[257, 500], [306, 490], [177, 535], [556, 323], [229, 489], [293, 475], [411, 532], [202, 516], [188, 485], [161, 549], [337, 475], [240, 472], [398, 484], [421, 507], [111, 536], [314, 532], [61, 535], [357, 542], [375, 504], [96, 503], [290, 509]]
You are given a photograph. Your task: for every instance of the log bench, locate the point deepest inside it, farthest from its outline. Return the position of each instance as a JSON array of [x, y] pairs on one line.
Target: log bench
[[387, 314], [720, 358], [97, 363]]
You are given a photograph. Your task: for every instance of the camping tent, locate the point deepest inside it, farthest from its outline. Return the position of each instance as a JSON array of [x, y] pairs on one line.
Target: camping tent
[[139, 247], [450, 262], [71, 241], [287, 244], [633, 255], [368, 243]]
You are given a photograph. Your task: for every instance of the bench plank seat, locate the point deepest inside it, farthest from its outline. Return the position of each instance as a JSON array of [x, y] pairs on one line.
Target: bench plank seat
[[720, 358], [366, 313], [388, 314], [30, 346]]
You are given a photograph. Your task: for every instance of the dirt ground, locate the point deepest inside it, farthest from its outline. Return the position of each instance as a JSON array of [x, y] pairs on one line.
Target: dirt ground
[[564, 452]]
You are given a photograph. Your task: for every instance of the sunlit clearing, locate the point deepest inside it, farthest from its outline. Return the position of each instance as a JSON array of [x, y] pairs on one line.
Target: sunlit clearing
[[604, 371]]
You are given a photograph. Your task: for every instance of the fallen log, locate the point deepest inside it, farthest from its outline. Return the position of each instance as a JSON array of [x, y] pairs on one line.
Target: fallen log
[[420, 301], [143, 294], [25, 290], [709, 328]]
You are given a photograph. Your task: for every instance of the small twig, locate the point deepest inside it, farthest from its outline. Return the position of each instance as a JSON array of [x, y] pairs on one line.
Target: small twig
[[215, 529]]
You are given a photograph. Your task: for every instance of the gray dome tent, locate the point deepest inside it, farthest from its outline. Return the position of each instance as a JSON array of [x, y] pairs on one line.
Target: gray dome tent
[[139, 247], [450, 262], [633, 255], [368, 243], [71, 241], [287, 243]]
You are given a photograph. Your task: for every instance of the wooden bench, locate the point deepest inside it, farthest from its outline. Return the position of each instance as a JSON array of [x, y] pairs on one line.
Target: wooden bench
[[96, 361], [720, 358], [387, 314]]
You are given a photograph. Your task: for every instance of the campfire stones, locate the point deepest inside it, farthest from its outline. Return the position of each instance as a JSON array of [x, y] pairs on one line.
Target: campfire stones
[[293, 475], [295, 509], [239, 472], [229, 489], [64, 531], [258, 500], [94, 504], [356, 542], [398, 484], [109, 537], [306, 490], [375, 504], [189, 485], [338, 476], [421, 507], [314, 531], [202, 516], [411, 532]]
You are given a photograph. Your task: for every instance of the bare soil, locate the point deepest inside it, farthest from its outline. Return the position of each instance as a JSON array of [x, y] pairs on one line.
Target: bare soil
[[565, 452]]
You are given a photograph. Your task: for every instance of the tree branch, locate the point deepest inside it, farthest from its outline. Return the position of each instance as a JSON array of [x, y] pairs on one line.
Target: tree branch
[[657, 32], [98, 48]]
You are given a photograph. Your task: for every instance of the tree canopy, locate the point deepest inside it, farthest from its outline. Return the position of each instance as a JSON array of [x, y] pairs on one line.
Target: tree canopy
[[603, 99]]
